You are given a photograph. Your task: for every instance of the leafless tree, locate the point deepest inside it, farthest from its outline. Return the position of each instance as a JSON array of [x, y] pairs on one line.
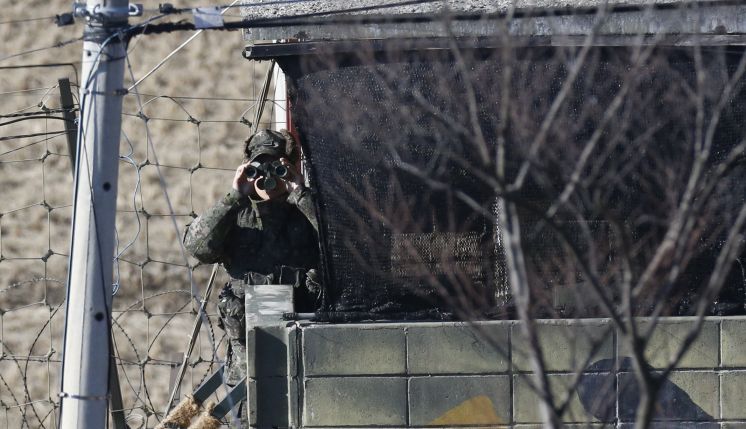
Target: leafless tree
[[521, 181]]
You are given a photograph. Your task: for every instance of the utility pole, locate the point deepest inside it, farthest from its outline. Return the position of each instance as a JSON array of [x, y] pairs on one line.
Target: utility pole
[[86, 358]]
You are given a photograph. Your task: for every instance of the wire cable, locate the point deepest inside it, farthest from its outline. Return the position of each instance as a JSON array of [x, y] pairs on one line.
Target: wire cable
[[189, 97], [127, 158], [167, 57], [27, 91], [31, 51], [164, 188], [43, 112], [28, 118], [22, 20], [23, 136]]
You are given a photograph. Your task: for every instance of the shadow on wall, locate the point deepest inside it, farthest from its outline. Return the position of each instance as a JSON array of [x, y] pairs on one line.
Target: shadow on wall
[[599, 401]]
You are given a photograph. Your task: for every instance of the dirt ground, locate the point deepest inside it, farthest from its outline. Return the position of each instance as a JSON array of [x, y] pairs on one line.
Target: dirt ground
[[195, 102]]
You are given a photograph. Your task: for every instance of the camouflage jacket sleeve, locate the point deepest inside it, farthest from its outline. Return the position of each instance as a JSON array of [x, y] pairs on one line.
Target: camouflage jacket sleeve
[[302, 198], [205, 236]]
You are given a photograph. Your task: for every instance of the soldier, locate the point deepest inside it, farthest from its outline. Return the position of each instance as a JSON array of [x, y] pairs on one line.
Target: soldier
[[264, 231]]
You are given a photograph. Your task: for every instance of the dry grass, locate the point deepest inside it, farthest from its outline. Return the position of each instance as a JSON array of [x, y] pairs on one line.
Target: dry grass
[[153, 317]]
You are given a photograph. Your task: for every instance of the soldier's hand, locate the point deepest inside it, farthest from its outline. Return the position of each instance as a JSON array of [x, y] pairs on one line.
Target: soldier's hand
[[295, 179], [243, 184]]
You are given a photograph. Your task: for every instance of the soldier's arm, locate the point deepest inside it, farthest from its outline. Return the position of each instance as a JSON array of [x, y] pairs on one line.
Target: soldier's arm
[[302, 197], [205, 236]]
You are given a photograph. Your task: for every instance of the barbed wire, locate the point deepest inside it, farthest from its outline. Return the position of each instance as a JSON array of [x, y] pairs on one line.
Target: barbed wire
[[139, 346], [191, 97], [144, 327]]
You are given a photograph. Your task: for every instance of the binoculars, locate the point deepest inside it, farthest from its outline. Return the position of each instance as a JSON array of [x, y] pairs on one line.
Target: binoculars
[[268, 170]]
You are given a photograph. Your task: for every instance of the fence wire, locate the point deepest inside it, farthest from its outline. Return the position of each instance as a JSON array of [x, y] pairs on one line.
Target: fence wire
[[184, 146]]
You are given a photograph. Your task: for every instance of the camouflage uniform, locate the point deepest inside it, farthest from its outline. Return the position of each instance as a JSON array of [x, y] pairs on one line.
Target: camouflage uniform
[[266, 242], [257, 243]]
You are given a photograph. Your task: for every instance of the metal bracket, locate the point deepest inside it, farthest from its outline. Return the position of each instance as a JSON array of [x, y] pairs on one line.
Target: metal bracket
[[133, 9], [79, 10]]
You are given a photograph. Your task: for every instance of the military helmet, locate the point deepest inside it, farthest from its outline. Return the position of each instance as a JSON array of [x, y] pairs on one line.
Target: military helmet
[[270, 142]]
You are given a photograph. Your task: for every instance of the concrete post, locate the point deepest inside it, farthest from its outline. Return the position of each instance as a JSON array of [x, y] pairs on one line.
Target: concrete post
[[86, 359]]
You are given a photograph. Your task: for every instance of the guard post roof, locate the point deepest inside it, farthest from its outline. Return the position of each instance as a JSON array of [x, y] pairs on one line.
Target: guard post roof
[[305, 24]]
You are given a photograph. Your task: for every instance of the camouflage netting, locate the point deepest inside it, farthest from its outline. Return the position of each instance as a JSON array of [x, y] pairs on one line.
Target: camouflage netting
[[403, 149]]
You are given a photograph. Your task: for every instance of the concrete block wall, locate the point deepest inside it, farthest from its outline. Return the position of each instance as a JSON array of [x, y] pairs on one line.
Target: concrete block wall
[[454, 374]]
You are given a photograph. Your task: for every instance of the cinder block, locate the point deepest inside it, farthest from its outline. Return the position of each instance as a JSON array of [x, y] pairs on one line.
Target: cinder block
[[668, 337], [294, 404], [685, 396], [294, 378], [271, 394], [459, 401], [358, 401], [567, 344], [733, 342], [293, 336], [594, 400], [733, 394], [448, 348], [268, 399], [354, 350], [267, 347], [252, 400]]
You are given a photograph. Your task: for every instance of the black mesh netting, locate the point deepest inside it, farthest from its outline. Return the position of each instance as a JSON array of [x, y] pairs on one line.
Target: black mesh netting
[[404, 155]]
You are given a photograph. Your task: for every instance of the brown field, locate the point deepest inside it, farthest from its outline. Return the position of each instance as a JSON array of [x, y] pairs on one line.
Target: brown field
[[152, 307]]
